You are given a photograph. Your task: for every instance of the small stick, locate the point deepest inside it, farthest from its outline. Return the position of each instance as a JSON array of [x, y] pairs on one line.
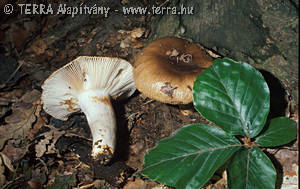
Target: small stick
[[12, 75]]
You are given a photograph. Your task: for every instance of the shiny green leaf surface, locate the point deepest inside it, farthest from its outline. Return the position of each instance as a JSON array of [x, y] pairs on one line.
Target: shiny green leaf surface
[[234, 96], [190, 157], [280, 131], [250, 168]]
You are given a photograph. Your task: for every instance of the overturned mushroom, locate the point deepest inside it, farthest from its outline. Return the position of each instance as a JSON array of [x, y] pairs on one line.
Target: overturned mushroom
[[87, 84], [166, 69]]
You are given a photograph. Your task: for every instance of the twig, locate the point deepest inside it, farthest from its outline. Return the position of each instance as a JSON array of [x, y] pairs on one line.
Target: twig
[[87, 186], [149, 101], [289, 148], [12, 75], [164, 3]]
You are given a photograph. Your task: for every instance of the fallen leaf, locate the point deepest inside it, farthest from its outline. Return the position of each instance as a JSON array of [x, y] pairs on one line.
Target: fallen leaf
[[12, 95], [136, 184], [212, 53], [137, 33], [14, 153], [39, 46], [47, 145], [186, 112], [38, 177], [4, 163], [31, 96], [2, 176], [40, 121], [290, 179], [35, 183], [220, 183], [19, 123], [138, 45], [125, 43]]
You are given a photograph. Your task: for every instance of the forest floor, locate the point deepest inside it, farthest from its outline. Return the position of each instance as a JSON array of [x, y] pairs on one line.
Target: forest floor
[[38, 151]]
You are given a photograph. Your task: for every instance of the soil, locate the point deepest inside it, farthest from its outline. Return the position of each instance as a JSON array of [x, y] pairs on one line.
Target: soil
[[43, 152]]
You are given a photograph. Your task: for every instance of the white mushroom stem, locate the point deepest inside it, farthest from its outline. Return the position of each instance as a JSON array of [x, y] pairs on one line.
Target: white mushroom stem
[[96, 105]]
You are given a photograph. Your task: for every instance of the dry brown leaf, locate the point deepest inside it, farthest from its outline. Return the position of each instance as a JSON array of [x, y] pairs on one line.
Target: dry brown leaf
[[38, 124], [39, 46], [12, 95], [136, 184], [40, 121], [138, 45], [35, 183], [2, 176], [130, 38], [141, 184], [13, 151], [47, 145], [19, 123], [221, 183], [290, 179], [136, 157], [212, 54], [31, 96], [137, 33], [4, 163], [38, 177], [125, 43]]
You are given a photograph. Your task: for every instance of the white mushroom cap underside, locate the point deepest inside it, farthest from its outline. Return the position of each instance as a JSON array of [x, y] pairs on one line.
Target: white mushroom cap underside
[[112, 76]]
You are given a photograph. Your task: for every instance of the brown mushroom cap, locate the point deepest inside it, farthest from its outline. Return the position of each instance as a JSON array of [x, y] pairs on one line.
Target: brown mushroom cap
[[166, 69]]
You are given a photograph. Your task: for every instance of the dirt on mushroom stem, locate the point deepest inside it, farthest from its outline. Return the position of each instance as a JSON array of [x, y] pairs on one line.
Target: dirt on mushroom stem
[[87, 84]]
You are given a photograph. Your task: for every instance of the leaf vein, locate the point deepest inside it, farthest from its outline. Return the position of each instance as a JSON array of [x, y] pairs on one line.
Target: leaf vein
[[190, 154], [240, 117]]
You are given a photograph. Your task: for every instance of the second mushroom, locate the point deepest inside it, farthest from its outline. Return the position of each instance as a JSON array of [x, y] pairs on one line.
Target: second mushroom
[[166, 69], [88, 84]]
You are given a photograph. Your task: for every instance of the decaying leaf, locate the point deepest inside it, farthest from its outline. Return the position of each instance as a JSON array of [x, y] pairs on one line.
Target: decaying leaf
[[19, 123], [125, 43], [38, 178], [130, 38], [39, 46], [2, 176], [14, 151], [47, 145], [40, 121], [137, 33], [4, 163], [24, 112], [31, 96], [139, 183], [290, 179]]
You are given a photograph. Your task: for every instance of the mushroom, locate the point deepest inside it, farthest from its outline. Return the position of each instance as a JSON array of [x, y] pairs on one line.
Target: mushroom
[[166, 69], [88, 84]]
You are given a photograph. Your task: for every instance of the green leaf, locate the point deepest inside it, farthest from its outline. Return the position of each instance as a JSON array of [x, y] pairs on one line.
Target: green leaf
[[250, 168], [234, 96], [190, 157], [281, 130]]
